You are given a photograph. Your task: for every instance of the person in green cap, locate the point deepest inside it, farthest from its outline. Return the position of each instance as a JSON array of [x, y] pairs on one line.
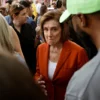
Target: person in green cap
[[85, 17]]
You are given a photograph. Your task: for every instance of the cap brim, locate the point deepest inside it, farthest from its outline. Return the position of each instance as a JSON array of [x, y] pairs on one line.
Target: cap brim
[[64, 16]]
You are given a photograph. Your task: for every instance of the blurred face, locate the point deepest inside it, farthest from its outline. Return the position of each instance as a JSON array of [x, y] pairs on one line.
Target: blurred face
[[22, 17], [78, 28], [52, 32], [30, 11]]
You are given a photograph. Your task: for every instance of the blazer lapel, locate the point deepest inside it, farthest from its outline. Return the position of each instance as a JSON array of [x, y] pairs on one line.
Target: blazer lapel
[[63, 57], [45, 56]]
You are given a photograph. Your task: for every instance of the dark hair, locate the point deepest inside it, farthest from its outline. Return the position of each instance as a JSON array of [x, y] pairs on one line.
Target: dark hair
[[55, 15], [64, 3], [9, 1], [25, 3], [43, 9], [59, 4], [95, 13], [3, 10], [15, 9], [16, 82]]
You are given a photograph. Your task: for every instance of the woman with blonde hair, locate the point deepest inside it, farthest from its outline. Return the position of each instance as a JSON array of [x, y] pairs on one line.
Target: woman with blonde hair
[[5, 35], [8, 39]]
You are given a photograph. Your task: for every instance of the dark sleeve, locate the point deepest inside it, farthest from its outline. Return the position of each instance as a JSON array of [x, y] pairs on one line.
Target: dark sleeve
[[33, 26], [29, 31]]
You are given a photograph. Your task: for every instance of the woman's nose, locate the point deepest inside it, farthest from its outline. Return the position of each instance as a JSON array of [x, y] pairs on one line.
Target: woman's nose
[[49, 33]]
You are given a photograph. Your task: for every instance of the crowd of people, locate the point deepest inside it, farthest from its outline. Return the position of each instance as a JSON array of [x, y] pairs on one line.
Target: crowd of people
[[50, 54]]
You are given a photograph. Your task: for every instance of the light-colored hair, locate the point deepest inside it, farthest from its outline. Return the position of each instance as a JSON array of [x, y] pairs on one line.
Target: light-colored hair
[[6, 42]]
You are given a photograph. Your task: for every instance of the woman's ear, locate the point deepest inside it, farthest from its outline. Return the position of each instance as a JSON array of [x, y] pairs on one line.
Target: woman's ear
[[14, 16], [83, 20]]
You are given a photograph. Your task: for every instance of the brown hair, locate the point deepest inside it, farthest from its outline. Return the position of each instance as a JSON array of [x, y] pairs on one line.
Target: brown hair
[[55, 15], [16, 81], [43, 9], [15, 9]]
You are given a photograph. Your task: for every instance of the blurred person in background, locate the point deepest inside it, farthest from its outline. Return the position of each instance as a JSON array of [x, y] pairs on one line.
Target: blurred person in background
[[43, 10], [59, 4], [25, 33], [58, 58], [7, 5], [8, 17], [9, 41], [38, 6], [34, 11], [28, 6], [3, 11]]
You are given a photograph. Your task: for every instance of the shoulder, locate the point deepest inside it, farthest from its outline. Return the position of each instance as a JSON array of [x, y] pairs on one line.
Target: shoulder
[[7, 17], [31, 22], [29, 19], [78, 84], [73, 46], [43, 46], [26, 25]]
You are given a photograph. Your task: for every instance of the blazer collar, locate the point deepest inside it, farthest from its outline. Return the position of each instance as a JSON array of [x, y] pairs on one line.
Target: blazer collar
[[63, 57]]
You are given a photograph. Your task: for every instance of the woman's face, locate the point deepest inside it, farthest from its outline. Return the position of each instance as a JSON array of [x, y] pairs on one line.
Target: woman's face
[[21, 18], [52, 32], [30, 11]]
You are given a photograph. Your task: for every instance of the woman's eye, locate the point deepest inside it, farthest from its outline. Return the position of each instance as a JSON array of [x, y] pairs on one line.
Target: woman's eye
[[45, 29], [54, 29]]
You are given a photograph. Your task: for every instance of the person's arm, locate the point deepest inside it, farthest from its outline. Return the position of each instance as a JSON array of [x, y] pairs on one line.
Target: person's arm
[[38, 77], [17, 46]]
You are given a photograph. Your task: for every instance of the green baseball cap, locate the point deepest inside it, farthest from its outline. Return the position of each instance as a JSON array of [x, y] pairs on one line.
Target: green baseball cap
[[80, 6]]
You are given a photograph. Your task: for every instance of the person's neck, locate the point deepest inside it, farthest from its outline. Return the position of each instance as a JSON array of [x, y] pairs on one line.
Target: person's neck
[[96, 40], [96, 37], [17, 26], [56, 47]]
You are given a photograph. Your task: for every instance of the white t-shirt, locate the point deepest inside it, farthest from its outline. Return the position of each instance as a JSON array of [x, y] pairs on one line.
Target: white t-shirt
[[51, 69], [38, 7]]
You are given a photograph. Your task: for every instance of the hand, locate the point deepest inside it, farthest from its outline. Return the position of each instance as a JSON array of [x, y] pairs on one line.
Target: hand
[[41, 82], [37, 29]]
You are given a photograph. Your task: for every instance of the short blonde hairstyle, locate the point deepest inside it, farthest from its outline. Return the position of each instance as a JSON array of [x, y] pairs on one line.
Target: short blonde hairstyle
[[6, 42]]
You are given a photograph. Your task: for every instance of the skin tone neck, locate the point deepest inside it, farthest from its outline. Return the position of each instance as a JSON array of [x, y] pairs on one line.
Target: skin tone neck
[[94, 30], [96, 36], [56, 47], [55, 51], [17, 26]]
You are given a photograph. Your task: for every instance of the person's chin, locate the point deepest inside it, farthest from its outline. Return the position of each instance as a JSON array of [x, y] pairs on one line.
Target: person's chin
[[25, 21], [50, 43]]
